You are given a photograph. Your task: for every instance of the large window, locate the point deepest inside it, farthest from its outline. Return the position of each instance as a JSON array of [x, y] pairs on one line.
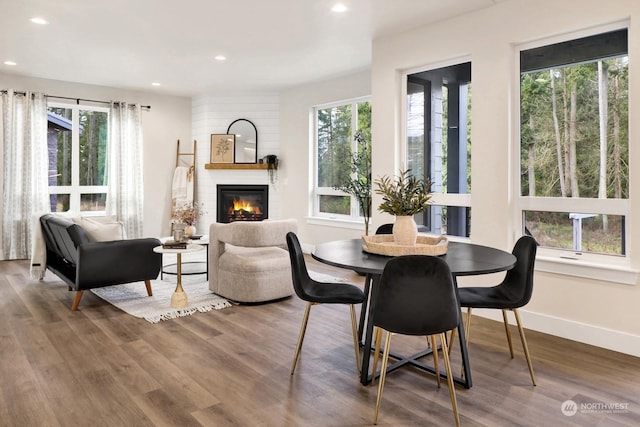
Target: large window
[[438, 111], [336, 126], [77, 140], [574, 145]]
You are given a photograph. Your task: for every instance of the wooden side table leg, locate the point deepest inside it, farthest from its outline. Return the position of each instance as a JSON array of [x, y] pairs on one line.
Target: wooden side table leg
[[179, 297]]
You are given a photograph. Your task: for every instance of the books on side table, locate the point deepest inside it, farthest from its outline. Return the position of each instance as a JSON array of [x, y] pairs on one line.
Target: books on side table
[[172, 244]]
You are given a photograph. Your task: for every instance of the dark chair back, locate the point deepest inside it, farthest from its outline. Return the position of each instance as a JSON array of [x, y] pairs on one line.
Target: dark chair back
[[518, 282], [302, 283], [385, 229], [416, 296]]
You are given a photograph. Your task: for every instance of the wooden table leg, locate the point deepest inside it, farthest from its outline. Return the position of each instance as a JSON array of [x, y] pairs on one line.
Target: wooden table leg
[[179, 297]]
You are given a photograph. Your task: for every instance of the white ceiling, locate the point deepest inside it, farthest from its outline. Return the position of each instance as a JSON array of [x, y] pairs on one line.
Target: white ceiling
[[270, 44]]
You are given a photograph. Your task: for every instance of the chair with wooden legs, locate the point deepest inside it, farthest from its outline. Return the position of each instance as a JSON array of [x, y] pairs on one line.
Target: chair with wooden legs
[[512, 293], [382, 229], [416, 296], [314, 292]]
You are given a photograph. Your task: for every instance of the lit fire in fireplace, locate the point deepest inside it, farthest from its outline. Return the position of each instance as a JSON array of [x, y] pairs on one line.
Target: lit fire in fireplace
[[244, 210], [244, 205]]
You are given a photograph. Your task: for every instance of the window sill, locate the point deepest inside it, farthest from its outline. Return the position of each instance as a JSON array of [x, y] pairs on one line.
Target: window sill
[[589, 270], [336, 222]]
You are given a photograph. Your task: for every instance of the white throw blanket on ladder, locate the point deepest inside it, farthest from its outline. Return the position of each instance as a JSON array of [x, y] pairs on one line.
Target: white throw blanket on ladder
[[182, 187]]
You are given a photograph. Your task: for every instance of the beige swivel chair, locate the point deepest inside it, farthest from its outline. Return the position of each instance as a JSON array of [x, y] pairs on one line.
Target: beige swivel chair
[[248, 260]]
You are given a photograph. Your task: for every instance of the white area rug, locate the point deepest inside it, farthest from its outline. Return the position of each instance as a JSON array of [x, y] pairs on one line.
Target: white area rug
[[132, 298]]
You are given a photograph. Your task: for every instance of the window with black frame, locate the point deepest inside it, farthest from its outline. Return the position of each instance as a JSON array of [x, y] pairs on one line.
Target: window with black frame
[[438, 128], [574, 144]]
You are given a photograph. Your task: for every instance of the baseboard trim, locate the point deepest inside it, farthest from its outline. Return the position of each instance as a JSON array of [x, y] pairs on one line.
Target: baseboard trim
[[610, 339]]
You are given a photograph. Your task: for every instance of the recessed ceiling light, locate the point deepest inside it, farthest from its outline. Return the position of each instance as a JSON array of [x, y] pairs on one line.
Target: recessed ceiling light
[[220, 58], [339, 7], [38, 20], [155, 84], [10, 63]]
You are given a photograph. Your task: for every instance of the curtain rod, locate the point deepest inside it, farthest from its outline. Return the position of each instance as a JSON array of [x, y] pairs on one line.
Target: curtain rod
[[148, 107]]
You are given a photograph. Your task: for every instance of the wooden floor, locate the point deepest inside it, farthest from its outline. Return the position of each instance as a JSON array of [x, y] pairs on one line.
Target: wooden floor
[[99, 366]]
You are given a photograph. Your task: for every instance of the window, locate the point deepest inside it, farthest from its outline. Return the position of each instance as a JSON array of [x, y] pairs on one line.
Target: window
[[574, 146], [77, 140], [335, 128], [438, 129]]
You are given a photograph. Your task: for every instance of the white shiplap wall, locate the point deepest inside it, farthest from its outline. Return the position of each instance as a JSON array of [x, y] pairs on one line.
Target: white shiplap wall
[[213, 114]]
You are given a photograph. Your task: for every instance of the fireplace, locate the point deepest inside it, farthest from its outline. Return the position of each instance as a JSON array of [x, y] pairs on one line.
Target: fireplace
[[242, 203]]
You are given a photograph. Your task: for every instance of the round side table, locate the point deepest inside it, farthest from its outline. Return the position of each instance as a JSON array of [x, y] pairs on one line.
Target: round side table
[[179, 298], [189, 268]]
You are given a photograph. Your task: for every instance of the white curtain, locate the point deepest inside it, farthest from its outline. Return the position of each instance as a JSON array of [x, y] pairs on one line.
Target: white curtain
[[125, 194], [25, 170]]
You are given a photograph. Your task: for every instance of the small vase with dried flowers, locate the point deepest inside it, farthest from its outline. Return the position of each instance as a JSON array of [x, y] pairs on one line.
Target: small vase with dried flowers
[[187, 214]]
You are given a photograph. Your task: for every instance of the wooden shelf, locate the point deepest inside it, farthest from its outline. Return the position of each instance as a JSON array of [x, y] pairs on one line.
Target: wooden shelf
[[236, 166]]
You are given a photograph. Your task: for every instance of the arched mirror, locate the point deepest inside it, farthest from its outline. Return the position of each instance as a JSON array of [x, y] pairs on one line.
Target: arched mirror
[[246, 149]]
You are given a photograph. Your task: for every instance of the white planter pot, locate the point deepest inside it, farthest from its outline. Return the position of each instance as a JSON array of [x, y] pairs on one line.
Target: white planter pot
[[405, 231]]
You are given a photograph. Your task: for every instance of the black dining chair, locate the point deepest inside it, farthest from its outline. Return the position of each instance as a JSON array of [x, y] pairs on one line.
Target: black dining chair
[[416, 296], [385, 229], [314, 292], [368, 279], [511, 294]]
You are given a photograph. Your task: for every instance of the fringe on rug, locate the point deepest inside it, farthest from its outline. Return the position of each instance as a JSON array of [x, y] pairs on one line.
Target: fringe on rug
[[182, 312]]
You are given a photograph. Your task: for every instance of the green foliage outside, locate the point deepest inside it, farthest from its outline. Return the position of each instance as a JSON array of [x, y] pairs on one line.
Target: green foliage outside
[[556, 229], [338, 146], [358, 182], [561, 145], [92, 149], [574, 90]]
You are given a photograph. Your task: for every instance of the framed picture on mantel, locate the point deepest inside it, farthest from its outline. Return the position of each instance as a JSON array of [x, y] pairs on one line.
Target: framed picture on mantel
[[222, 148]]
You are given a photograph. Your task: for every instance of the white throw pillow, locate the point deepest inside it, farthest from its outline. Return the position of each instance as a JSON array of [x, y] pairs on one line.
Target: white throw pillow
[[100, 230]]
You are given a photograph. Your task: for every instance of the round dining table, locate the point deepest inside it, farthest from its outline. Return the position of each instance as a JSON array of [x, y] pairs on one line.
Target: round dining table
[[464, 259]]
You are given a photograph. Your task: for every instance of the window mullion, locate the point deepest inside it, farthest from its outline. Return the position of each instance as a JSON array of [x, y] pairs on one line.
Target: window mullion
[[354, 149], [75, 160]]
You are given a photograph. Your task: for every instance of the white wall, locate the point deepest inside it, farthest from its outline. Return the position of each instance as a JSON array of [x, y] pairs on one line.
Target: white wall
[[593, 311], [298, 151], [212, 115], [168, 120]]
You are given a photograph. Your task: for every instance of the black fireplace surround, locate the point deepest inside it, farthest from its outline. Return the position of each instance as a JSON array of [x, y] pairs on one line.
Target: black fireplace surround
[[242, 203]]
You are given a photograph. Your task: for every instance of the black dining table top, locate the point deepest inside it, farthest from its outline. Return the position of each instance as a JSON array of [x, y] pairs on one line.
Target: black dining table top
[[464, 259]]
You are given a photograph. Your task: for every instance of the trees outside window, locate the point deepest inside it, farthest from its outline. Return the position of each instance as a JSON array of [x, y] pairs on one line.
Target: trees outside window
[[77, 139], [574, 144], [336, 126]]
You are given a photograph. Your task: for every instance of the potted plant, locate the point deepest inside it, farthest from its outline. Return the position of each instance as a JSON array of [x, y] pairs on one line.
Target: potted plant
[[403, 197], [358, 182], [187, 214]]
